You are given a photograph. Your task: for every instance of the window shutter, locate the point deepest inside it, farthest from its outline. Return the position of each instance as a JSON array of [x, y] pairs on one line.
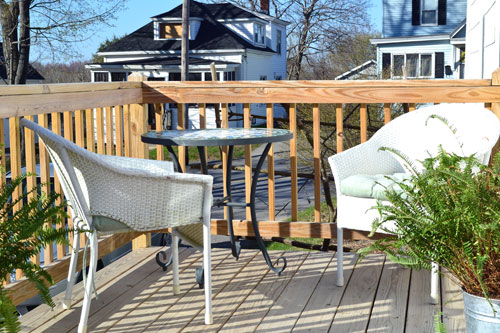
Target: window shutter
[[442, 12], [386, 66], [439, 65], [415, 14]]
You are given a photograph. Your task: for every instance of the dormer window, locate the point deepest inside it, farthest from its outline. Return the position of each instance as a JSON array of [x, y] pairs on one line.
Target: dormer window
[[259, 33], [170, 30], [429, 12]]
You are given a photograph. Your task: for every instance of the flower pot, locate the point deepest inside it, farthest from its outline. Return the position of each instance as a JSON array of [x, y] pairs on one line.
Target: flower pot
[[479, 316]]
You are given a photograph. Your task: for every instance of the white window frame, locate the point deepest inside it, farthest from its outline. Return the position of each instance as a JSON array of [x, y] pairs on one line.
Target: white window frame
[[422, 14], [419, 76], [259, 34]]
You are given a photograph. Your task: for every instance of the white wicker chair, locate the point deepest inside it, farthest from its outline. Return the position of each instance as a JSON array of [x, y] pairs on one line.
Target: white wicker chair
[[477, 129], [109, 194]]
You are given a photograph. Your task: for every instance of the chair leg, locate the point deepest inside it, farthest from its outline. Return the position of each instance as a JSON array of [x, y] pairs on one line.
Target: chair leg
[[175, 264], [207, 248], [72, 271], [435, 283], [82, 327], [340, 257]]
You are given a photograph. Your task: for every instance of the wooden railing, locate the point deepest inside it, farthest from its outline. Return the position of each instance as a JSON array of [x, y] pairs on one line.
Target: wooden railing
[[73, 109]]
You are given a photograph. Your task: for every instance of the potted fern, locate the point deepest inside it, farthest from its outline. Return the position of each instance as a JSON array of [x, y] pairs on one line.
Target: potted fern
[[449, 214], [22, 235]]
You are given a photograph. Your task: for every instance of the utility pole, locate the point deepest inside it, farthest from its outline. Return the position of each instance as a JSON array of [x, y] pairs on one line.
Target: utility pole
[[185, 62]]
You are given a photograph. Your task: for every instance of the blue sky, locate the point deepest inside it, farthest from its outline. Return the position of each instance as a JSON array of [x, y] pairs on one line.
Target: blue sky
[[138, 13]]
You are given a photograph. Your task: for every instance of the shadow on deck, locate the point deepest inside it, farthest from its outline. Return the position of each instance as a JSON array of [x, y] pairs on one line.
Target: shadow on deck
[[135, 295]]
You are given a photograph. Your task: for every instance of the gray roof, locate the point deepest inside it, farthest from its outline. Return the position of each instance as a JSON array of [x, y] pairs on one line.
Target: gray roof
[[212, 35]]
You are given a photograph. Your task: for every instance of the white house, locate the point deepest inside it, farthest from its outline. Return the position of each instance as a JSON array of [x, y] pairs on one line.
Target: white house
[[483, 38], [243, 45]]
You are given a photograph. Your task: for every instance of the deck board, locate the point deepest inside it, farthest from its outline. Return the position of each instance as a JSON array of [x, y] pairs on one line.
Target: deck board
[[135, 295]]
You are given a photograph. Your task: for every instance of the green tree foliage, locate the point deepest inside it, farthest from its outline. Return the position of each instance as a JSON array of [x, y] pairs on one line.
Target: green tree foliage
[[23, 233]]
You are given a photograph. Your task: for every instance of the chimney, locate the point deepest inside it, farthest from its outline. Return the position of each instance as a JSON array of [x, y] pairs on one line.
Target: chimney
[[264, 6]]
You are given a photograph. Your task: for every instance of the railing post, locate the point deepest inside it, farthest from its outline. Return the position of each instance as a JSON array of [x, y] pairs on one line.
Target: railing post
[[139, 125], [495, 107]]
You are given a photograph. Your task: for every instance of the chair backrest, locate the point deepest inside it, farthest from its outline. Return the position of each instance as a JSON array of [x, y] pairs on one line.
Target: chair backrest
[[418, 136], [62, 153]]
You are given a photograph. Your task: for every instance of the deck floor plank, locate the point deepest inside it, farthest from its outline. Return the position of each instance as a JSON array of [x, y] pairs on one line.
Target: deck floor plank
[[292, 301], [132, 306], [452, 306], [67, 321], [136, 295], [389, 309], [251, 311], [192, 304], [420, 312], [227, 301], [355, 307], [319, 312]]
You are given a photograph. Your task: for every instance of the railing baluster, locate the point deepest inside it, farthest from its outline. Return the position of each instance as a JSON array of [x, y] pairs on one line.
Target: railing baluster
[[340, 127], [29, 144], [487, 106], [270, 165], [99, 115], [317, 156], [4, 279], [248, 160], [292, 111], [68, 135], [363, 117], [387, 113], [109, 131], [225, 124], [180, 126], [89, 124], [127, 130], [119, 130], [80, 141], [203, 124], [412, 107], [160, 155], [48, 252], [56, 128]]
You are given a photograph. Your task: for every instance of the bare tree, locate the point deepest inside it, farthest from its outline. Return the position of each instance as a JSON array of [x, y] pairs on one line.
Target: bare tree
[[51, 24]]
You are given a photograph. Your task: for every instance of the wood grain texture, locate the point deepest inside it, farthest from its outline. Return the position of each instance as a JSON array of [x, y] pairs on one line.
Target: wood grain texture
[[270, 166], [292, 111], [248, 160], [160, 155], [363, 122], [420, 313], [354, 310], [387, 113], [340, 127], [110, 147], [389, 309], [317, 163], [99, 115], [127, 130], [89, 129], [119, 129]]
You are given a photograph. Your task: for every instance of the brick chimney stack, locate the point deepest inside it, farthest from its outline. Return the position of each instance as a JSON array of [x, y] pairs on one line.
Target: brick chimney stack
[[264, 6]]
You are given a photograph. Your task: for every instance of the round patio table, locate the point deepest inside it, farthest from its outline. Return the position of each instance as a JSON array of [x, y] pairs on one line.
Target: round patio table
[[226, 137]]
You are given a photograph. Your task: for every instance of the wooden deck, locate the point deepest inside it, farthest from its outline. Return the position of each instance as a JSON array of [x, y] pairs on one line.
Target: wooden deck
[[135, 295]]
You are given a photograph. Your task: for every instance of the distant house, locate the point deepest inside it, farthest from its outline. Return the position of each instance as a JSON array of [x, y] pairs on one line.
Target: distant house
[[483, 38], [243, 45], [422, 39], [366, 71], [33, 76]]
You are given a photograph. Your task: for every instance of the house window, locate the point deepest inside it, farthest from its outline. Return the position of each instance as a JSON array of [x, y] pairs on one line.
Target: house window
[[208, 76], [412, 65], [278, 41], [263, 77], [170, 30], [101, 77], [230, 76], [259, 33], [118, 76], [194, 77], [174, 76], [429, 12]]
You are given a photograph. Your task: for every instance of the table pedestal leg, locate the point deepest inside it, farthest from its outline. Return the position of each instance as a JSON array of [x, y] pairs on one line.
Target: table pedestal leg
[[235, 243], [255, 225]]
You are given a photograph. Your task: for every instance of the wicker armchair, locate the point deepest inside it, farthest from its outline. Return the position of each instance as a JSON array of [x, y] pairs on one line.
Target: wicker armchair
[[418, 137], [109, 194]]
